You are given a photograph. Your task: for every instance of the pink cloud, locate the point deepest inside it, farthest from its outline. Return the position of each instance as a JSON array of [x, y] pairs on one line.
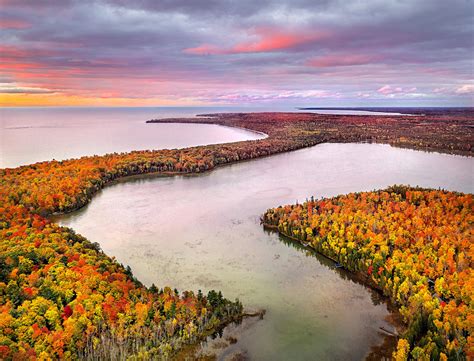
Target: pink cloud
[[342, 60], [9, 52], [465, 89], [247, 96], [363, 95], [386, 89], [399, 92], [204, 49], [269, 40], [13, 24]]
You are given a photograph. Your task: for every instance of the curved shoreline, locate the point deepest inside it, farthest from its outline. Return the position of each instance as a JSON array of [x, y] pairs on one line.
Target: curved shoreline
[[394, 319], [198, 175], [446, 134], [347, 229], [31, 193], [236, 134], [264, 135]]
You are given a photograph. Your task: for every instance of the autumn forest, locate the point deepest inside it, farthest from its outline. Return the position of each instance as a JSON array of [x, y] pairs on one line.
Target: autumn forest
[[62, 297]]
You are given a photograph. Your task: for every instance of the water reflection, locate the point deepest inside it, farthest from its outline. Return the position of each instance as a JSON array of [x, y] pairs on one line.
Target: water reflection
[[203, 232], [376, 296]]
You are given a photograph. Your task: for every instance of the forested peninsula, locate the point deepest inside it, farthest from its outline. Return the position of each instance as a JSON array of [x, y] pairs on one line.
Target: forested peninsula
[[413, 244], [62, 297]]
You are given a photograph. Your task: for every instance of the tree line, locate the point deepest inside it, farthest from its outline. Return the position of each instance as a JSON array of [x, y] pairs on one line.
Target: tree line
[[413, 244]]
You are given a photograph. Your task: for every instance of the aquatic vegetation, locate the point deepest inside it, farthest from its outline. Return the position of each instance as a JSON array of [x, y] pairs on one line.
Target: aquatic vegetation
[[413, 244], [61, 297]]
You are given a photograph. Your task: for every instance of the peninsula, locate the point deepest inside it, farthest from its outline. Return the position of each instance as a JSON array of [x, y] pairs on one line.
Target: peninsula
[[63, 297]]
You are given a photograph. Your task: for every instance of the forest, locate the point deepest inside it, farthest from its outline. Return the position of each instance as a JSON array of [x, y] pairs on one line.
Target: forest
[[444, 132], [62, 297], [414, 245]]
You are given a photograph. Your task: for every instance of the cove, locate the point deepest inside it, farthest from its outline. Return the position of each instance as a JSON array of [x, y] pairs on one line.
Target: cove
[[203, 232]]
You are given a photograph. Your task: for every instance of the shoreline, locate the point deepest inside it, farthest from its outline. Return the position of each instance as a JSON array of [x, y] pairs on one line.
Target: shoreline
[[416, 132], [356, 243], [359, 277], [394, 318], [41, 191]]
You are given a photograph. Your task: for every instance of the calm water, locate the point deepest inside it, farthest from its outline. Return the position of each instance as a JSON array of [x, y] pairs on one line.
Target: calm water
[[29, 135], [203, 232]]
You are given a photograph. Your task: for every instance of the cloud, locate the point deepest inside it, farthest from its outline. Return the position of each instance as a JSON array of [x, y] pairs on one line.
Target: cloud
[[400, 92], [343, 60], [23, 90], [465, 89], [205, 49], [147, 48], [387, 89], [268, 40], [13, 24], [273, 96]]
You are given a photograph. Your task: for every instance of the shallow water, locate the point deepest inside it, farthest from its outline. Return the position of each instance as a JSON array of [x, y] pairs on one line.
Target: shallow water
[[203, 232]]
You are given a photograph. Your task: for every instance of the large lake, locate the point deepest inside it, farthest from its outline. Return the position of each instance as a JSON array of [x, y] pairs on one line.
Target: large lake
[[30, 135], [203, 232]]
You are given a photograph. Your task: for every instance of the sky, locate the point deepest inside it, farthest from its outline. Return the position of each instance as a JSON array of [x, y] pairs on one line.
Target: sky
[[223, 52]]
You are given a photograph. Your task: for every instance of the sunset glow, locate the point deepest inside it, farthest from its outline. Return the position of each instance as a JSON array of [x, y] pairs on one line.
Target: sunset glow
[[191, 53]]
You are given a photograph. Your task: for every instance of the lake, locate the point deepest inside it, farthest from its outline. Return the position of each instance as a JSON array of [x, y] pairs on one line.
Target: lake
[[203, 232], [30, 135]]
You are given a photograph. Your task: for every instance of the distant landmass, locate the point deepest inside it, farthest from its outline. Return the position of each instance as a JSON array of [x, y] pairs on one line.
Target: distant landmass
[[404, 110]]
